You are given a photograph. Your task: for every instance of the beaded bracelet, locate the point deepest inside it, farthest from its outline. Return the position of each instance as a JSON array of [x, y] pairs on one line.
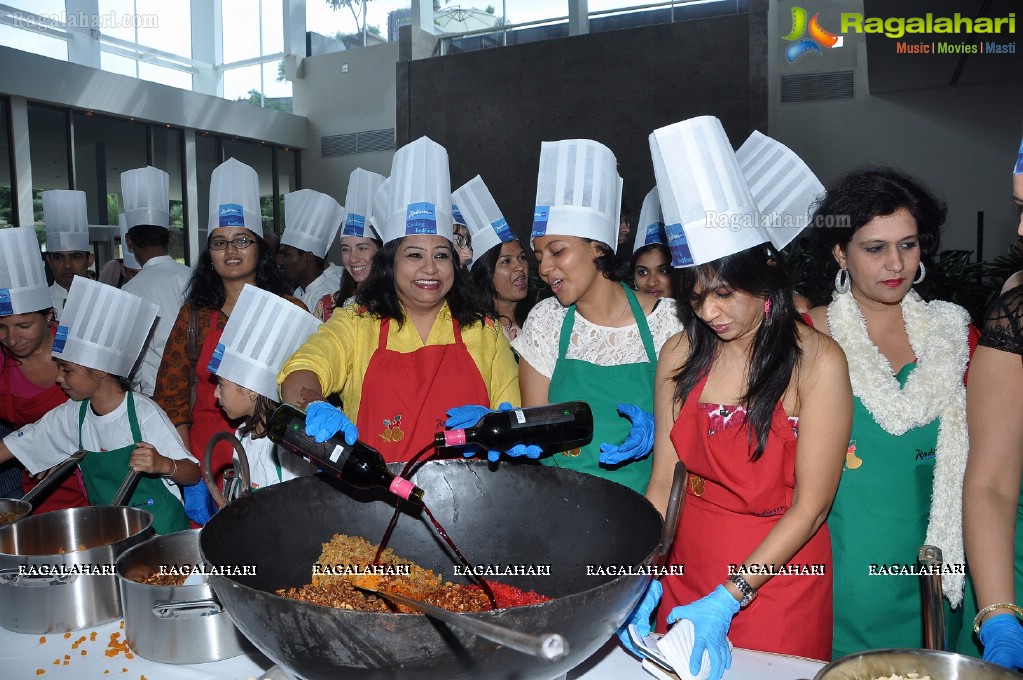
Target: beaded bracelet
[[991, 607]]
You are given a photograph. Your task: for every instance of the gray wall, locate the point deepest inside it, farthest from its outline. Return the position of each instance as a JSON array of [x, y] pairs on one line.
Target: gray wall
[[961, 141]]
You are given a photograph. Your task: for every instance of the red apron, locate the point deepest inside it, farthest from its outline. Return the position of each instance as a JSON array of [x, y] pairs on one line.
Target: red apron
[[19, 412], [406, 395], [731, 504], [207, 416]]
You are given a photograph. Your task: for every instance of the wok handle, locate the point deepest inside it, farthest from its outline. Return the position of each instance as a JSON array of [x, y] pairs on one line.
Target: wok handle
[[674, 510], [931, 592], [56, 475], [127, 487], [547, 646], [207, 465]]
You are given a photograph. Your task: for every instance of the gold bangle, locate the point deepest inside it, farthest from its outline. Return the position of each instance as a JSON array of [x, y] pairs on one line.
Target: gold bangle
[[991, 607]]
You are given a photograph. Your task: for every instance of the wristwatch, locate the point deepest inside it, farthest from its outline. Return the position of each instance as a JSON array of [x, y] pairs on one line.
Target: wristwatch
[[749, 593]]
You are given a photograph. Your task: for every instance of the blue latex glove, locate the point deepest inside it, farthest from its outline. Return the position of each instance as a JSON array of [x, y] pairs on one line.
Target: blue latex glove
[[638, 444], [1002, 637], [711, 617], [199, 503], [323, 421], [461, 417], [640, 617]]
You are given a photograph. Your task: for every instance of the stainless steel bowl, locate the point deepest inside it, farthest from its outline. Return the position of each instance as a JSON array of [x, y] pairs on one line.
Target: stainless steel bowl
[[881, 663], [19, 508]]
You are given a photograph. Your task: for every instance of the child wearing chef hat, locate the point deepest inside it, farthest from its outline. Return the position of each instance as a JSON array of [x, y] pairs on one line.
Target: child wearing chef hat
[[120, 430], [263, 331]]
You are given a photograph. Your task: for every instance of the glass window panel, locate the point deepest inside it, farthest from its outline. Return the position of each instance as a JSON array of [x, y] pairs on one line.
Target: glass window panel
[[277, 94], [273, 26], [287, 176], [121, 9], [241, 30], [168, 143], [207, 159], [115, 63], [47, 139], [28, 41], [242, 84], [165, 25], [6, 186], [104, 148], [260, 158], [165, 76], [53, 9]]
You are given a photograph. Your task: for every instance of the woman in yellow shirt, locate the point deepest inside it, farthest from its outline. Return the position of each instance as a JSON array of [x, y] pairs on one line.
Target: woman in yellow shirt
[[414, 345]]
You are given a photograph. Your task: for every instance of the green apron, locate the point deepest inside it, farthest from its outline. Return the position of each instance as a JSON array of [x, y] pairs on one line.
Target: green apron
[[604, 387], [103, 472], [879, 518]]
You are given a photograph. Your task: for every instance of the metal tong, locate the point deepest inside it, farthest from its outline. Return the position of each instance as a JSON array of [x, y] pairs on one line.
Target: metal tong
[[219, 497]]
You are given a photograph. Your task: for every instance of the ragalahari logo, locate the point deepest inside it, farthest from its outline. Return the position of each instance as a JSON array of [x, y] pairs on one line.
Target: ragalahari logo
[[819, 37]]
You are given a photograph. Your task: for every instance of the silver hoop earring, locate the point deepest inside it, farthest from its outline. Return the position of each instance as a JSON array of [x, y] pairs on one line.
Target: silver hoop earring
[[842, 282], [920, 277]]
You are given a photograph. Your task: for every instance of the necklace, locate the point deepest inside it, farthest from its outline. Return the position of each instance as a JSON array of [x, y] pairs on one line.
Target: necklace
[[939, 335]]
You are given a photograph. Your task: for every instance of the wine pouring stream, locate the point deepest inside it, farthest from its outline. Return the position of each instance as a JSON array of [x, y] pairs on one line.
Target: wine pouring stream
[[554, 427]]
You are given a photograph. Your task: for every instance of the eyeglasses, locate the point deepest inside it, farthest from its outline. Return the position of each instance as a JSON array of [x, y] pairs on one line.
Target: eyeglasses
[[462, 241], [239, 242]]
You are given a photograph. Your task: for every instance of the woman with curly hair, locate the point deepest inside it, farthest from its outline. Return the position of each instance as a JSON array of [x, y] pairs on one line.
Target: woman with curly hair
[[235, 255]]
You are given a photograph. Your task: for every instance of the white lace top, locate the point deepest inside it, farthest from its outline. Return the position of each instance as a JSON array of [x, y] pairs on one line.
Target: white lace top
[[537, 343]]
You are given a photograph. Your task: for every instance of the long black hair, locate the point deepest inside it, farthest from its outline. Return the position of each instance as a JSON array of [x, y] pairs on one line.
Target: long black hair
[[774, 353], [205, 288], [379, 295], [855, 199], [482, 273]]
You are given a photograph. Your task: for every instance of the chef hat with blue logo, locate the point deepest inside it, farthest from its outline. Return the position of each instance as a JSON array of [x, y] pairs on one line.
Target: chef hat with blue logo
[[1018, 168], [146, 194], [311, 220], [234, 197], [651, 223], [23, 287], [67, 221], [263, 332], [127, 256], [362, 188], [456, 214], [91, 336], [578, 192], [487, 225], [381, 199], [420, 200]]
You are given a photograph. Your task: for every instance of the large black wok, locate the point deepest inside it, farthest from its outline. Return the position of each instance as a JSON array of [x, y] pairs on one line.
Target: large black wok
[[505, 514]]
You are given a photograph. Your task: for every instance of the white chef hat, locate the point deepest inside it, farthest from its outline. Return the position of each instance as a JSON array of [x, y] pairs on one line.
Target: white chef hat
[[578, 191], [487, 225], [92, 334], [263, 332], [146, 194], [381, 199], [420, 201], [782, 185], [708, 209], [23, 286], [456, 213], [67, 221], [359, 202], [127, 256], [311, 221], [1018, 168], [651, 223], [234, 197]]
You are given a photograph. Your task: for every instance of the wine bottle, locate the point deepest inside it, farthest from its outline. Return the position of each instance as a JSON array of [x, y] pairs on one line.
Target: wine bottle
[[554, 427], [357, 464]]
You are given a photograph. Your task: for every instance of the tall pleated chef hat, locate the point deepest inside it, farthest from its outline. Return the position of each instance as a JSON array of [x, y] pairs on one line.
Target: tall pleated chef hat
[[234, 197], [381, 199], [487, 225], [420, 193], [311, 221], [1018, 168], [578, 192], [127, 256], [456, 213], [23, 286], [146, 194], [67, 221], [651, 223], [90, 335], [263, 331], [782, 185], [359, 203]]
